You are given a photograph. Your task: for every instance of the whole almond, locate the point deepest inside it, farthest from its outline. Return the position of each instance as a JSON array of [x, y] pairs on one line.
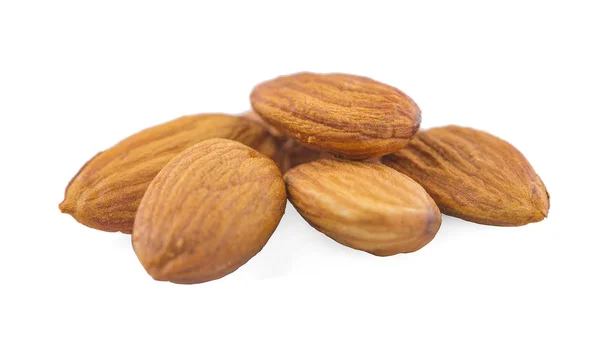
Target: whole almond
[[106, 192], [349, 116], [210, 210], [362, 205], [474, 175]]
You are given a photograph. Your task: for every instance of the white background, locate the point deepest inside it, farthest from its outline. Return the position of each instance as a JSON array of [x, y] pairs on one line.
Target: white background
[[76, 77]]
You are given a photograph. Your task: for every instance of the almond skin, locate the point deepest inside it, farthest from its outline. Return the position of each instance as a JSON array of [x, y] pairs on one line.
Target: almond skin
[[106, 192], [210, 210], [349, 116], [474, 176], [363, 205]]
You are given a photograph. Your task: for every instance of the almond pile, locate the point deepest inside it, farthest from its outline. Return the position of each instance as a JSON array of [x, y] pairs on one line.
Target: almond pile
[[203, 194]]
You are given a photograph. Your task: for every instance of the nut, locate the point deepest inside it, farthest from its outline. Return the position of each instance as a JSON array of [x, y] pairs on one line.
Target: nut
[[349, 116], [474, 175], [210, 210], [106, 192], [362, 205]]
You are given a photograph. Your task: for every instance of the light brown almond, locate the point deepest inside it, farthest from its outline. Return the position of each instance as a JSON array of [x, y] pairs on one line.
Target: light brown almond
[[362, 205], [210, 210], [106, 192], [349, 116], [474, 175]]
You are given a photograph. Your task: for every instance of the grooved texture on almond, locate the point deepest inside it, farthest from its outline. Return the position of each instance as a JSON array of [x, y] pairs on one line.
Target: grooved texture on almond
[[106, 192], [210, 210], [474, 175], [349, 116], [362, 205]]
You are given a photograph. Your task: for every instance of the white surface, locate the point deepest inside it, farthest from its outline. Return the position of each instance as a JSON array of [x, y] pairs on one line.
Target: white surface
[[77, 77]]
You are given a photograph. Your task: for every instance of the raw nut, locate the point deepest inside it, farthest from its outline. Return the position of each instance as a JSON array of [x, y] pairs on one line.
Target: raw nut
[[349, 116], [106, 192], [210, 210], [474, 175], [362, 205]]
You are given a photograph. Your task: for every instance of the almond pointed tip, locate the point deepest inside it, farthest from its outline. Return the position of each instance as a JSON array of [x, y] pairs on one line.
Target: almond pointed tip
[[66, 207], [544, 212], [541, 212]]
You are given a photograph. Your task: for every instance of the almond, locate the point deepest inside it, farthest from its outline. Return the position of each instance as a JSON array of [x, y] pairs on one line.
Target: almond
[[362, 205], [474, 175], [210, 210], [106, 192], [349, 116]]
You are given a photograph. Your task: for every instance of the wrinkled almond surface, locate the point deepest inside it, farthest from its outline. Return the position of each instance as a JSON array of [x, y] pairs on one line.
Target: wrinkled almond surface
[[210, 210], [349, 116], [366, 206], [107, 190], [474, 175]]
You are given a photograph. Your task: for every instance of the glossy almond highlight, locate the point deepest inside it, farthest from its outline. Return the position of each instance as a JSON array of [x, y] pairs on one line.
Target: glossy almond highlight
[[363, 205]]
